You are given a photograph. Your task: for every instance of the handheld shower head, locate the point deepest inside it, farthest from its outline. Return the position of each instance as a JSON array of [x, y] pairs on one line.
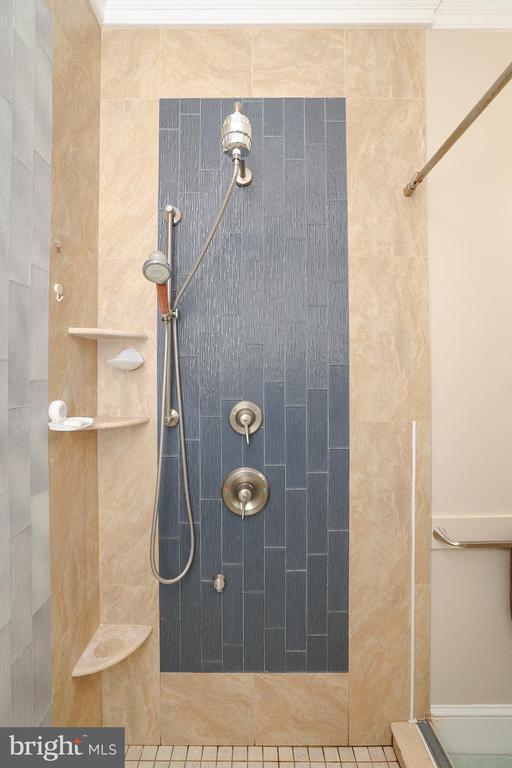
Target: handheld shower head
[[236, 133], [157, 269]]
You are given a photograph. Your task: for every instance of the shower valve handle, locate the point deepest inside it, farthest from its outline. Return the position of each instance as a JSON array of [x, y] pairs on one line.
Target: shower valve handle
[[246, 418], [245, 492]]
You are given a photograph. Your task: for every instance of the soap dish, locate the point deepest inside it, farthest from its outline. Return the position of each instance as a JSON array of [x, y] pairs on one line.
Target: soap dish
[[70, 425], [127, 360]]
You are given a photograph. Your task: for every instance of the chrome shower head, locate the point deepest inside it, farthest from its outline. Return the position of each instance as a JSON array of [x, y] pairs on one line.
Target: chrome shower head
[[157, 269], [236, 133]]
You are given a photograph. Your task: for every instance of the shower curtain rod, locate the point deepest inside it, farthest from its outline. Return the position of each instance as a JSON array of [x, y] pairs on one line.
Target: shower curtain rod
[[462, 127]]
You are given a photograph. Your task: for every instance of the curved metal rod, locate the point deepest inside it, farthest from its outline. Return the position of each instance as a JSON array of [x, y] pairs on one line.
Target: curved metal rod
[[440, 534]]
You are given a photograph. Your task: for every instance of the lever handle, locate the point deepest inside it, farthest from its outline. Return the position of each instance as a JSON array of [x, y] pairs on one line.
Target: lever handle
[[245, 494], [246, 420]]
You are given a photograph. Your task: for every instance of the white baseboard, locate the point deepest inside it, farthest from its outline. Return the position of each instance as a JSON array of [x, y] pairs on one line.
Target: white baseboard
[[471, 710]]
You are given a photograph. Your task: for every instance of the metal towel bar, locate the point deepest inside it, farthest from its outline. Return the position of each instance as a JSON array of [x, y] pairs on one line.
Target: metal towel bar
[[440, 535]]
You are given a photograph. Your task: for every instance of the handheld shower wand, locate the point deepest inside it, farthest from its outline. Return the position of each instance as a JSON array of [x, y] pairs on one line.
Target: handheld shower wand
[[157, 270], [236, 135]]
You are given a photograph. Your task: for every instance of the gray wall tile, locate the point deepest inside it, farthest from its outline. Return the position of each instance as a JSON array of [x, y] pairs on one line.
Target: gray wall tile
[[211, 625], [169, 498], [294, 128], [6, 49], [6, 120], [317, 513], [21, 222], [337, 166], [5, 675], [24, 21], [190, 637], [317, 595], [296, 447], [317, 430], [19, 468], [44, 27], [5, 573], [25, 184], [233, 658], [190, 588], [273, 117], [275, 511], [295, 661], [296, 530], [265, 319], [41, 208], [296, 610], [274, 423], [317, 653], [233, 605], [39, 324], [296, 365], [23, 102], [339, 466], [211, 539], [43, 110], [210, 457], [338, 571], [254, 631], [275, 597], [169, 117], [18, 345], [38, 437], [314, 119], [40, 532], [254, 540], [21, 592], [22, 686], [275, 650], [335, 109], [42, 670], [338, 407], [338, 642], [316, 192]]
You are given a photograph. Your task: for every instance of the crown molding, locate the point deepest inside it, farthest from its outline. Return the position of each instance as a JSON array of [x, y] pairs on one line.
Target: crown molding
[[473, 14], [435, 14], [100, 9]]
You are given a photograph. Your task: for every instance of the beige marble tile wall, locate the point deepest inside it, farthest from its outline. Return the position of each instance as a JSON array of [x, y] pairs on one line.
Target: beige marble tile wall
[[73, 369], [381, 74]]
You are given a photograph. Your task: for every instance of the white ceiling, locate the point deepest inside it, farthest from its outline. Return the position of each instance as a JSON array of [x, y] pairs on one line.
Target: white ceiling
[[437, 14]]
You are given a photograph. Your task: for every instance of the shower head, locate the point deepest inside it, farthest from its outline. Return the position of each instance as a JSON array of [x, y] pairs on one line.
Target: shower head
[[157, 269], [236, 133]]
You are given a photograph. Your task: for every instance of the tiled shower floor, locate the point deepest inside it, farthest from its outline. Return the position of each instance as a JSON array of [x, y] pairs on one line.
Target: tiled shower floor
[[259, 757]]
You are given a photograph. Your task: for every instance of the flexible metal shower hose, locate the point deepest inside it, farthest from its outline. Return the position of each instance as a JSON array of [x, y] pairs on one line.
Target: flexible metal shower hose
[[181, 425]]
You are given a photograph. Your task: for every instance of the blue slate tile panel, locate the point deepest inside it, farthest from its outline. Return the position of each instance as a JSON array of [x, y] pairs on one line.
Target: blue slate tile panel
[[265, 319]]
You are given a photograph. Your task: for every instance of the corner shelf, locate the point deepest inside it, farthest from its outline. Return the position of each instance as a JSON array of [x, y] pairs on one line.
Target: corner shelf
[[115, 422], [97, 334], [110, 644], [110, 422]]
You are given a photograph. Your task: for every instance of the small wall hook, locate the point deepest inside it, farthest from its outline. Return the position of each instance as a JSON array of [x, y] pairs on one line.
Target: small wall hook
[[59, 292]]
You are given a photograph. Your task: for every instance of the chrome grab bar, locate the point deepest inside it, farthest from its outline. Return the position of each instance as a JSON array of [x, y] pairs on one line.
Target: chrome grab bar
[[440, 534]]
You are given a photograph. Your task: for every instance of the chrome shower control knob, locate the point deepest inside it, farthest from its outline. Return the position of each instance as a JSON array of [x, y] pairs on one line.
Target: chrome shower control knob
[[245, 491], [246, 418]]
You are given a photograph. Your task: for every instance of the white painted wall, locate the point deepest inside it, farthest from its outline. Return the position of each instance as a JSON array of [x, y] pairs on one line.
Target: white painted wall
[[470, 240]]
